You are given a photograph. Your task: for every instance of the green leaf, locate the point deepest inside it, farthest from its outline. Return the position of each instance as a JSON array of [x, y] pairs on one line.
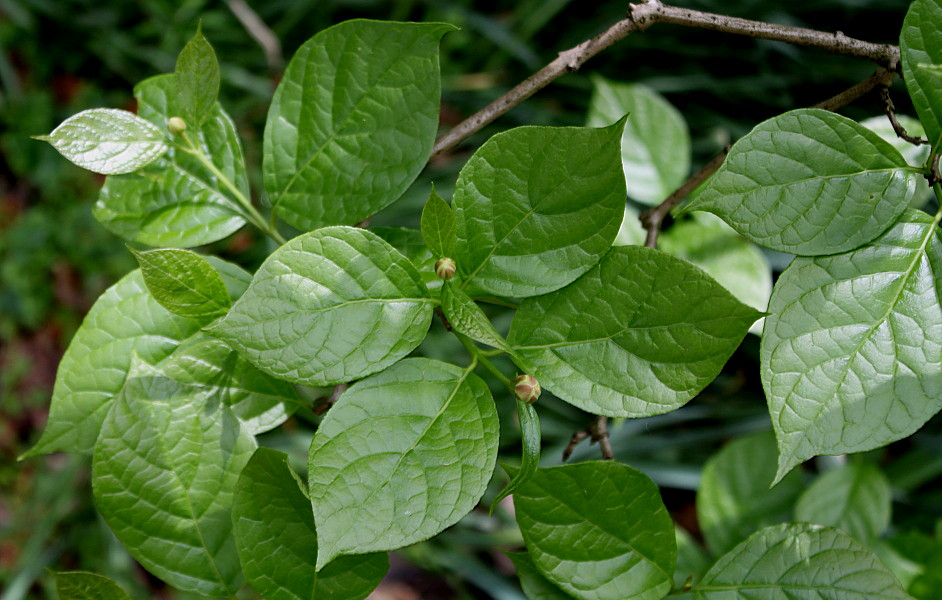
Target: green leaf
[[163, 474], [274, 530], [631, 232], [921, 42], [534, 584], [799, 561], [855, 499], [640, 334], [655, 147], [598, 530], [79, 585], [809, 182], [692, 560], [349, 127], [197, 80], [176, 201], [410, 244], [184, 283], [467, 318], [530, 437], [329, 306], [914, 155], [107, 141], [438, 226], [536, 207], [400, 457], [850, 352], [734, 499]]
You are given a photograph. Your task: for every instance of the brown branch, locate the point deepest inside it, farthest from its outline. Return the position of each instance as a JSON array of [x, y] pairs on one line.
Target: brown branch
[[323, 404], [598, 432], [890, 109], [257, 28]]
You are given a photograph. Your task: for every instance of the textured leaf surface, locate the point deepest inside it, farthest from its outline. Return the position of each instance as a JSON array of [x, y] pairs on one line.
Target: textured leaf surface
[[277, 543], [655, 147], [329, 306], [350, 127], [914, 155], [402, 455], [850, 355], [534, 584], [799, 561], [734, 499], [921, 43], [855, 499], [176, 201], [184, 283], [536, 207], [197, 80], [810, 182], [467, 317], [163, 475], [438, 226], [598, 530], [640, 334], [530, 438], [78, 585], [108, 141]]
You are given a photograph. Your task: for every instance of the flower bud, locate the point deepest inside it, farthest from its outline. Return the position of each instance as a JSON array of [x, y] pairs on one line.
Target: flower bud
[[445, 268], [176, 125], [527, 388]]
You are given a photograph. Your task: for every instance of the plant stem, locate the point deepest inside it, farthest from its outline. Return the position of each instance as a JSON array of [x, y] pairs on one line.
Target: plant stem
[[480, 356]]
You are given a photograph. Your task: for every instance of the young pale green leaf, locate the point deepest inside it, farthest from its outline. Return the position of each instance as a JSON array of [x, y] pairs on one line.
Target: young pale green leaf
[[176, 201], [197, 80], [329, 306], [598, 530], [79, 585], [640, 334], [108, 141], [184, 283], [530, 436], [350, 128], [275, 536], [400, 457], [856, 499], [810, 182], [799, 561], [438, 226], [692, 559], [466, 317], [734, 499], [536, 207], [850, 352], [920, 43], [534, 584], [655, 146], [163, 475]]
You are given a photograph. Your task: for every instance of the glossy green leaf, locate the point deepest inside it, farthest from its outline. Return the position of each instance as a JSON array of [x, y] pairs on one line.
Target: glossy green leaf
[[176, 201], [809, 182], [534, 584], [410, 244], [467, 318], [640, 334], [79, 585], [108, 141], [277, 543], [536, 207], [438, 226], [530, 438], [850, 353], [734, 499], [350, 127], [184, 283], [655, 147], [163, 475], [598, 530], [329, 306], [400, 457], [792, 561], [692, 559], [197, 80], [856, 499], [914, 155], [920, 43]]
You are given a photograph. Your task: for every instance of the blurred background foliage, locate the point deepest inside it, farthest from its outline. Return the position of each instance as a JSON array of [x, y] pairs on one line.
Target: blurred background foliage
[[58, 57]]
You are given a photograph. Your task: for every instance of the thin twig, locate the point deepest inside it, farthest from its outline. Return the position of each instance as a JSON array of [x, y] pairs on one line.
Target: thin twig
[[597, 431], [257, 28], [882, 78], [573, 442], [890, 109]]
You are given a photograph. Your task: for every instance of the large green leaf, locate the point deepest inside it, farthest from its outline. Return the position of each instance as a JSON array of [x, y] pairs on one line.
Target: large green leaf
[[734, 499], [920, 44], [640, 334], [274, 530], [353, 121], [329, 306], [915, 155], [793, 561], [163, 475], [598, 530], [536, 207], [176, 201], [466, 317], [534, 584], [400, 457], [184, 283], [855, 498], [655, 147], [197, 80], [79, 585], [810, 182], [850, 353]]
